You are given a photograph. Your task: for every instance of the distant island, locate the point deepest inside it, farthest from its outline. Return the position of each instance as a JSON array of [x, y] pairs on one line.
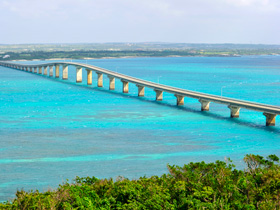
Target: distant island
[[125, 50]]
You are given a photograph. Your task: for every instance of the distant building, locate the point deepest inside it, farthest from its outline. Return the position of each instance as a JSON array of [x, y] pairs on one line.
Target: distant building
[[6, 56]]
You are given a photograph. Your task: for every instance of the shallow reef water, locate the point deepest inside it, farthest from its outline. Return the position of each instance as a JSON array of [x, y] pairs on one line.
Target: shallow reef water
[[53, 130]]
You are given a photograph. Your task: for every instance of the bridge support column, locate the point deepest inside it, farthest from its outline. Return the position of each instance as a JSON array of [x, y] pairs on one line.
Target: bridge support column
[[65, 72], [30, 69], [112, 83], [180, 100], [56, 71], [270, 119], [125, 86], [234, 111], [79, 74], [141, 90], [89, 77], [159, 95], [35, 69], [40, 70], [46, 70], [99, 79], [51, 71], [204, 105]]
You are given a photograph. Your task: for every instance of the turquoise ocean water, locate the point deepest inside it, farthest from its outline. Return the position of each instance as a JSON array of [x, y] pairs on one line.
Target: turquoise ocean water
[[52, 130]]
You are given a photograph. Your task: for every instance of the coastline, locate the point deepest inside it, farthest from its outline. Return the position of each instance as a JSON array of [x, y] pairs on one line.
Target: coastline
[[124, 57]]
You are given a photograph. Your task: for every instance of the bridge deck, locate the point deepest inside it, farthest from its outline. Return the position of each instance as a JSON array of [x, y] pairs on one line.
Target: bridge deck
[[270, 109]]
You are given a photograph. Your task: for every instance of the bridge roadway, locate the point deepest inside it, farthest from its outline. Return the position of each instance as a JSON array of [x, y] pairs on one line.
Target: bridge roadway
[[269, 111]]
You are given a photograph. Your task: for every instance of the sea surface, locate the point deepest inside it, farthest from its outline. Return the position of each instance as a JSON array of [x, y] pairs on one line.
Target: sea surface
[[53, 130]]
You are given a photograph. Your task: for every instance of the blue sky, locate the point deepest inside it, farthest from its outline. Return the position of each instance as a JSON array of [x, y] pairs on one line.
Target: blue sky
[[188, 21]]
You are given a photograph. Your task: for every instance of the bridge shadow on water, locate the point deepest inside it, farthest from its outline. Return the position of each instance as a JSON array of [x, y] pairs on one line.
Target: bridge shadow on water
[[162, 103]]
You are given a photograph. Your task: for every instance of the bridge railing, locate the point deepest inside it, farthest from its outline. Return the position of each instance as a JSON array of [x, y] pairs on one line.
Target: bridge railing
[[52, 69]]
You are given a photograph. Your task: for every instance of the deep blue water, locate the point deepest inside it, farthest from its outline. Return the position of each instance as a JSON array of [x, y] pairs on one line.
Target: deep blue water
[[52, 130]]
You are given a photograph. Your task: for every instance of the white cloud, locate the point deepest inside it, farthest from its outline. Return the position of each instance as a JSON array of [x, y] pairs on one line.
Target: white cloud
[[258, 5]]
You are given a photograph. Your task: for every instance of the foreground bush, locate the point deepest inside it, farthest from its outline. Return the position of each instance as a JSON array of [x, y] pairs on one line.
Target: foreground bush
[[194, 186]]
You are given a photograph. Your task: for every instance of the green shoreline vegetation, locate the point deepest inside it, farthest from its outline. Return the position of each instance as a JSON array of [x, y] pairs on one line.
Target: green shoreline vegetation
[[121, 50], [194, 186]]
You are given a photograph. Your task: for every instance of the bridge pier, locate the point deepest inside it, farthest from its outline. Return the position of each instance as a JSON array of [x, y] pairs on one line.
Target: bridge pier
[[234, 111], [65, 72], [141, 90], [89, 77], [159, 95], [270, 119], [79, 74], [125, 86], [180, 100], [204, 104], [111, 83], [46, 70], [51, 71], [56, 71], [270, 112], [99, 79]]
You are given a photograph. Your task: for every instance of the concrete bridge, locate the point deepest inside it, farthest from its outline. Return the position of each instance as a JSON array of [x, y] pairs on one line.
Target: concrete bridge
[[234, 105]]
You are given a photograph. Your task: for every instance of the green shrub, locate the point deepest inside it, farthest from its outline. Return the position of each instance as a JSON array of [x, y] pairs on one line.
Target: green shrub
[[194, 186]]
